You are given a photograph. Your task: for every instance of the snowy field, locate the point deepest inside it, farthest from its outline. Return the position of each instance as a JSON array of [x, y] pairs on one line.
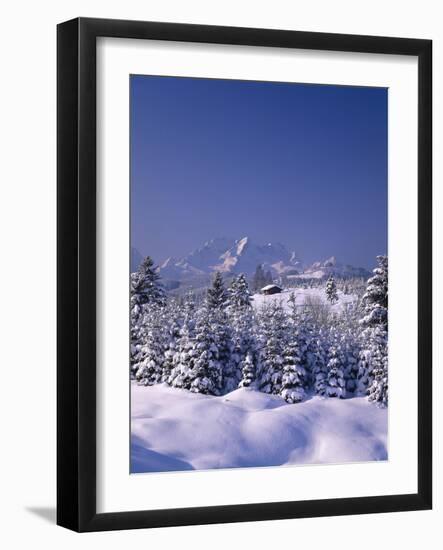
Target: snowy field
[[174, 430], [302, 295]]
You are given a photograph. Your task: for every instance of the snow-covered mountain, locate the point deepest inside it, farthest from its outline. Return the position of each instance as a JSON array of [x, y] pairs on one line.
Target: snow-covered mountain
[[232, 256], [322, 270], [243, 255]]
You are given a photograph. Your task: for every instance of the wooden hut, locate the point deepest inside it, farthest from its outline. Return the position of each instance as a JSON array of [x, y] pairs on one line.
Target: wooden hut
[[271, 289]]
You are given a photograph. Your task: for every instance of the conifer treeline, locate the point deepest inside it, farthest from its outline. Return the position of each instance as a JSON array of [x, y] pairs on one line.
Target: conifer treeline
[[223, 343]]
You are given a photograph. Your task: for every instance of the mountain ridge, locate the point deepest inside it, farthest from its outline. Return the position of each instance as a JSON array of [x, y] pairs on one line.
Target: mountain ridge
[[235, 256]]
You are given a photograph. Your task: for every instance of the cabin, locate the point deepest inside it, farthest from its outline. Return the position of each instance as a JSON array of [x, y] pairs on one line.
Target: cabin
[[271, 289]]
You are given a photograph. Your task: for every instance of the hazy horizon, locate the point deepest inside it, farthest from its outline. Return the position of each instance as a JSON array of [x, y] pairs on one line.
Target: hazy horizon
[[303, 165]]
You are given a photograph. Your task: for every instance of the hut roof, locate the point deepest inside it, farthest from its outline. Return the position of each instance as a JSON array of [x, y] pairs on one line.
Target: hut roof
[[270, 287]]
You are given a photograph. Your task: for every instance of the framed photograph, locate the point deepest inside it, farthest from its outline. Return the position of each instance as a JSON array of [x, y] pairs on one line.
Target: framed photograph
[[244, 274]]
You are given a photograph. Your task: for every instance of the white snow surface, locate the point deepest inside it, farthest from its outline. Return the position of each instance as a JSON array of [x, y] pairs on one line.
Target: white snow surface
[[174, 430], [301, 295]]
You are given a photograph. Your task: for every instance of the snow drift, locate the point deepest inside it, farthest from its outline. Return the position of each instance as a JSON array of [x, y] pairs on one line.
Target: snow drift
[[174, 430]]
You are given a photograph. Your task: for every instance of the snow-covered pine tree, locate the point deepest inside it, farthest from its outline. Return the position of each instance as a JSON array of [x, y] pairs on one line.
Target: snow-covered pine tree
[[375, 299], [373, 364], [184, 356], [206, 375], [301, 327], [335, 382], [335, 385], [223, 338], [173, 319], [364, 369], [273, 332], [136, 317], [331, 290], [137, 298], [378, 387], [241, 320], [318, 361], [350, 347], [148, 286], [295, 377], [349, 340], [145, 290], [248, 371], [238, 293], [216, 295], [149, 367], [245, 342], [294, 374]]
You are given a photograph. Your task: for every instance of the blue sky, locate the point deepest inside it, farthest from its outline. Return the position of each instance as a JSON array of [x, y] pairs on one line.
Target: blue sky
[[304, 165]]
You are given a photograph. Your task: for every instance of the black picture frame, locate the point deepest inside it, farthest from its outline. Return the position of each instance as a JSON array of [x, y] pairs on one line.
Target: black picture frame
[[76, 280]]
